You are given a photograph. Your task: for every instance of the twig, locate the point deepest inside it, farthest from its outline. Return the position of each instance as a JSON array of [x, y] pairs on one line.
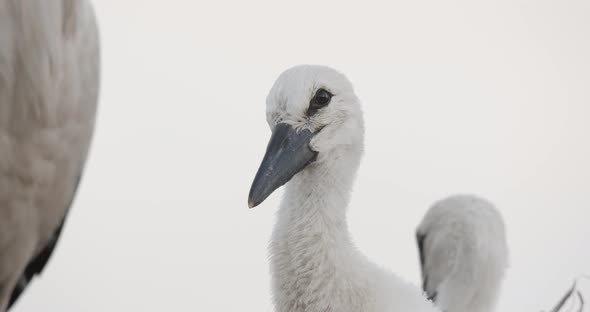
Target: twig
[[564, 299]]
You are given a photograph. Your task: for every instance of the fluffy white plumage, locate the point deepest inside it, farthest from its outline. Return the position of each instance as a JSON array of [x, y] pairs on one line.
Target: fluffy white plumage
[[48, 92], [464, 254], [314, 264]]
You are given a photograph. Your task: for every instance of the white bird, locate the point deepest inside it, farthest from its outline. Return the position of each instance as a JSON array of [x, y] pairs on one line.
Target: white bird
[[49, 72], [463, 253], [316, 144]]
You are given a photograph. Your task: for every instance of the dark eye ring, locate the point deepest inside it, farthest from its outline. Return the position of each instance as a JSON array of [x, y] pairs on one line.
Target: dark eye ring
[[321, 99]]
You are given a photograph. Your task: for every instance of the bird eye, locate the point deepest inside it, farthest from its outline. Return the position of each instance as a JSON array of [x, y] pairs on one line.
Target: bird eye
[[319, 100]]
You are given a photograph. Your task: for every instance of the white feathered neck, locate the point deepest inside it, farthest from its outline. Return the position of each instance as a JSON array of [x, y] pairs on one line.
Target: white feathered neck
[[314, 264]]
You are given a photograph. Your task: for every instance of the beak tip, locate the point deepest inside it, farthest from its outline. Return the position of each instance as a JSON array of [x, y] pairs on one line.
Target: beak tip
[[287, 153]]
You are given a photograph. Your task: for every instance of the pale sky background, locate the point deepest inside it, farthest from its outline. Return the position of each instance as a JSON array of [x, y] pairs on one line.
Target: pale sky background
[[459, 96]]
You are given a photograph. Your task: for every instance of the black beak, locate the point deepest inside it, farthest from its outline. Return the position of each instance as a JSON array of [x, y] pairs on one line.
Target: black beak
[[287, 153]]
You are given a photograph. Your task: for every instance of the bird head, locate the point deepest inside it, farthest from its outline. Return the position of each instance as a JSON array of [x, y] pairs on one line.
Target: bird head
[[315, 118]]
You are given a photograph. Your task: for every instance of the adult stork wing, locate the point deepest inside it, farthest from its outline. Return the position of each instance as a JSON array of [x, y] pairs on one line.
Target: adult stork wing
[[49, 80]]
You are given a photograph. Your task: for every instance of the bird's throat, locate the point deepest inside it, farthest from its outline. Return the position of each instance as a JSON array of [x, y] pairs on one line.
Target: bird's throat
[[311, 247]]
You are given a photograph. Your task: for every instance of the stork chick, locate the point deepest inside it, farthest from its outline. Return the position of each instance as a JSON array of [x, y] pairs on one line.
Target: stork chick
[[463, 254], [316, 146]]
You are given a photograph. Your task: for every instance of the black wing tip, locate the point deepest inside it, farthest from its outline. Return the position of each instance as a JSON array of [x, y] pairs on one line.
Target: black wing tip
[[18, 290], [36, 265]]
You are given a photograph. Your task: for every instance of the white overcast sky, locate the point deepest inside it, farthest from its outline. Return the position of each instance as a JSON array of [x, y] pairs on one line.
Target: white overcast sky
[[459, 96]]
